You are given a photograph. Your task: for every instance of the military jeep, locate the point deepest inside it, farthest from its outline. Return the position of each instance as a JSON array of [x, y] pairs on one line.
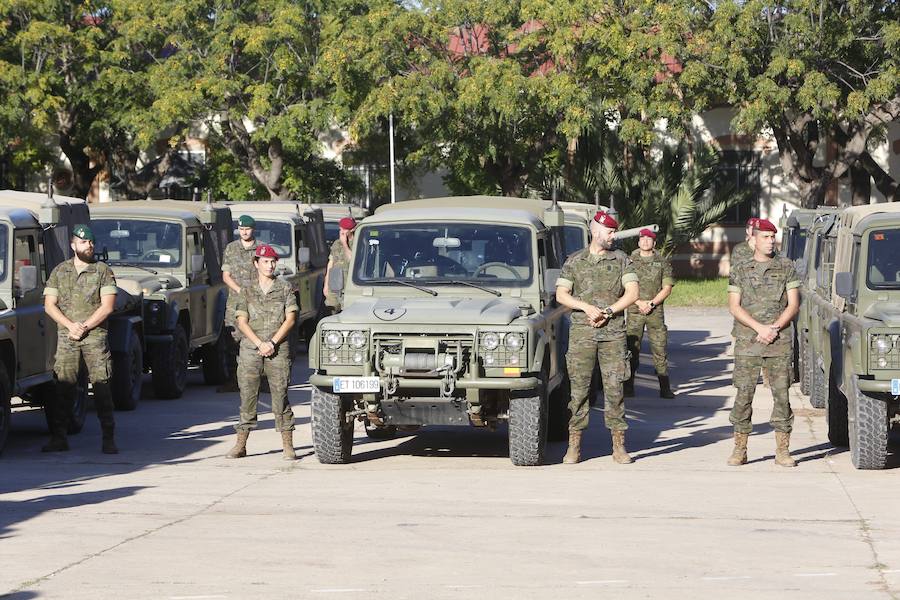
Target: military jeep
[[449, 318], [297, 233], [858, 351], [170, 254], [34, 238]]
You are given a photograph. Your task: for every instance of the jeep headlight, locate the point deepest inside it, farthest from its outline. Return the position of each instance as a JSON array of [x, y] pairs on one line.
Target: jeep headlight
[[357, 339], [883, 351], [514, 341], [882, 344], [334, 340], [490, 341]]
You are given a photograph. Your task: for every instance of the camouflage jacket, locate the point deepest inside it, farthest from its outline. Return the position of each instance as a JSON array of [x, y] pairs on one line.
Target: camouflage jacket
[[265, 311], [598, 279], [653, 273], [740, 253], [338, 257], [78, 294], [763, 287], [238, 262]]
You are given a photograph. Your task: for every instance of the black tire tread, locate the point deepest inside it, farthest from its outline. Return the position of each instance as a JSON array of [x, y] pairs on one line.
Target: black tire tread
[[332, 436], [165, 367], [126, 391], [528, 429], [869, 431], [806, 364]]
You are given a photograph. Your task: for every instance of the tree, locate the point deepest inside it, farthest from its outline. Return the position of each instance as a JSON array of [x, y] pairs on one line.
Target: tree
[[823, 76]]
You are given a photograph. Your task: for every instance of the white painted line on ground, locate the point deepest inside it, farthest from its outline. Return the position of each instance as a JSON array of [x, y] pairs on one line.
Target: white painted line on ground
[[339, 591], [732, 578], [464, 587], [814, 574], [602, 582], [892, 571], [207, 597]]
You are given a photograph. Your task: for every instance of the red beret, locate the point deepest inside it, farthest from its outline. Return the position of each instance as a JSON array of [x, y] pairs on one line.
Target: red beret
[[265, 251], [606, 220], [347, 223], [647, 233], [751, 222], [765, 225]]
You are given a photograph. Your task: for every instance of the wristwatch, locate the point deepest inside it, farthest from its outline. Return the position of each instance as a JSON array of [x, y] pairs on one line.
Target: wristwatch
[[609, 311], [651, 304]]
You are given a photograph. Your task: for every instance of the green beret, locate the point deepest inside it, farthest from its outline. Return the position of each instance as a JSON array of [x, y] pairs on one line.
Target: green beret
[[84, 232], [246, 221]]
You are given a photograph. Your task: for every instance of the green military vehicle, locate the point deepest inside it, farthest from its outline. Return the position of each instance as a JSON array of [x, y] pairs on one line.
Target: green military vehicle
[[816, 272], [858, 352], [333, 213], [297, 233], [169, 253], [797, 231], [34, 238]]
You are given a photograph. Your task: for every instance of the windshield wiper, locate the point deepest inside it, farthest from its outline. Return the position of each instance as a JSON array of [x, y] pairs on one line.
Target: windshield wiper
[[406, 283], [133, 265], [468, 283]]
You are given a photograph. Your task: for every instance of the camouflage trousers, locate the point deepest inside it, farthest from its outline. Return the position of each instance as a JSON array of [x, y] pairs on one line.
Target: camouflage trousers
[[657, 334], [277, 369], [583, 355], [93, 349], [746, 374]]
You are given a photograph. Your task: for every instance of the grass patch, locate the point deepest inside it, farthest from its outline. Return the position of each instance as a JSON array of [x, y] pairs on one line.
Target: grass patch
[[699, 292]]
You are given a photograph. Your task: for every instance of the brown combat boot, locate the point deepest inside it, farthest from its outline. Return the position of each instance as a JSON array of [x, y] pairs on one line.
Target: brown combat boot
[[665, 388], [240, 446], [739, 454], [620, 455], [782, 452], [573, 454], [287, 442]]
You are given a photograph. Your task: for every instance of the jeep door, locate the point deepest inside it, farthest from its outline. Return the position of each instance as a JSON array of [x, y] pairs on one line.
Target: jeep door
[[202, 304], [36, 331]]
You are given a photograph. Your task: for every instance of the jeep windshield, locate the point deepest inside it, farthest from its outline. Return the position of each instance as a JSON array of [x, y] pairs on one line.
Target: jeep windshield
[[140, 243], [332, 232], [573, 239], [883, 268], [449, 253], [273, 233]]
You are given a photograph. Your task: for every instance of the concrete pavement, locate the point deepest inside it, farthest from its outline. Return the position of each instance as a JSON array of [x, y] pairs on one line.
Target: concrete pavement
[[443, 514]]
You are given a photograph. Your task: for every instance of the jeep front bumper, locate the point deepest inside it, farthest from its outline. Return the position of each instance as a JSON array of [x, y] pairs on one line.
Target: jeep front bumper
[[482, 383]]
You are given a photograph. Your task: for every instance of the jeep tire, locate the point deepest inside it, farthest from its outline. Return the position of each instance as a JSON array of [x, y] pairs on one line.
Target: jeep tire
[[215, 360], [818, 386], [869, 430], [807, 361], [332, 434], [170, 365], [128, 375], [5, 406], [528, 428]]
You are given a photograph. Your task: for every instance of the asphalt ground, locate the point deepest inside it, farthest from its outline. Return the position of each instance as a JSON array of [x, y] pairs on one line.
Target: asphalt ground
[[443, 514]]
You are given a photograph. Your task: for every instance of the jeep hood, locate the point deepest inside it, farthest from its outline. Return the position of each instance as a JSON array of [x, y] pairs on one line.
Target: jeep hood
[[886, 312], [427, 311], [131, 287]]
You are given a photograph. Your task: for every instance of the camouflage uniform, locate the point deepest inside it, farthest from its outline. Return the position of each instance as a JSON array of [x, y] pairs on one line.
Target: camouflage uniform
[[339, 260], [597, 279], [238, 262], [654, 272], [78, 297], [740, 253], [763, 287], [265, 312]]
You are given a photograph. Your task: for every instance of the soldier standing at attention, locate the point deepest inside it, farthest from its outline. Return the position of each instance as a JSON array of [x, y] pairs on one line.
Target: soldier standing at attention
[[237, 271], [743, 251], [265, 312], [598, 284], [80, 295], [763, 296], [340, 259], [655, 280]]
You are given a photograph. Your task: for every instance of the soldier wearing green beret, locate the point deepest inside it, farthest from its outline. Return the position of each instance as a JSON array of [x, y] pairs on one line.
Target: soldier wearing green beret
[[237, 271], [655, 280], [80, 295], [763, 296]]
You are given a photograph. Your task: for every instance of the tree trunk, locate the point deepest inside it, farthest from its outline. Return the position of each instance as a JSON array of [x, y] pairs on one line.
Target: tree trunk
[[240, 144], [860, 185], [885, 184], [83, 173]]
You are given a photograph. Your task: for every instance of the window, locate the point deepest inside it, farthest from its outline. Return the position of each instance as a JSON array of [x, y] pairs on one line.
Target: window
[[25, 254], [825, 267], [739, 171], [195, 246], [137, 242], [883, 261]]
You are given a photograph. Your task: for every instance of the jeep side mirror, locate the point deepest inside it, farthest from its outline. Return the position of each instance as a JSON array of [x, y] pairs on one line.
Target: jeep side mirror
[[303, 256], [196, 263], [550, 277], [843, 285], [27, 279], [336, 279]]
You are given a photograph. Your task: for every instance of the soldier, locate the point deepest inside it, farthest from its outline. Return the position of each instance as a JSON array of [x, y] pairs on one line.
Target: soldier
[[763, 296], [265, 312], [80, 295], [744, 251], [339, 258], [237, 271], [598, 284], [655, 280]]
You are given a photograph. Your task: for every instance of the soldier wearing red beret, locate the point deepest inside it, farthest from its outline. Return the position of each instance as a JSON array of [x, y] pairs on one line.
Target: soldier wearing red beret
[[339, 259], [763, 296], [265, 313]]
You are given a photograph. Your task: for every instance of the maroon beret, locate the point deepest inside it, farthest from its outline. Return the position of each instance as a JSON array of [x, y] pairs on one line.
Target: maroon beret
[[347, 223], [751, 222], [647, 233], [606, 220], [265, 251], [765, 225]]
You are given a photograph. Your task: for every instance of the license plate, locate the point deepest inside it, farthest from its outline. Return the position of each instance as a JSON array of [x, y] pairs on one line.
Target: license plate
[[895, 387], [356, 385]]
